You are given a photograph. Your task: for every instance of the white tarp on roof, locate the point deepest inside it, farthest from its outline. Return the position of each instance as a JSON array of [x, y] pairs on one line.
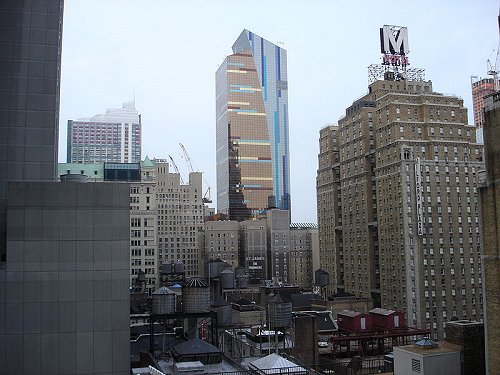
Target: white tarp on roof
[[272, 363]]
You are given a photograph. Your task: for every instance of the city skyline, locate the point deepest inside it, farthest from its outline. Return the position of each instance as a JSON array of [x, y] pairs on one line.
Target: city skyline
[[123, 48]]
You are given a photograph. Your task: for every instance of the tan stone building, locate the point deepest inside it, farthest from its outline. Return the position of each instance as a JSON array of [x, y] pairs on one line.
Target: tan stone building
[[221, 241], [180, 218], [302, 241], [490, 221], [404, 207], [329, 214], [143, 228]]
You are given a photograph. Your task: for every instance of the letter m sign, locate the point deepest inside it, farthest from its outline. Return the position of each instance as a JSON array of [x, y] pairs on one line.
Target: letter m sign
[[394, 40]]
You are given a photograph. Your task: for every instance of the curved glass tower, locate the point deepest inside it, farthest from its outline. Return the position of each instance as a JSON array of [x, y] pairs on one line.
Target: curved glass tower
[[253, 170]]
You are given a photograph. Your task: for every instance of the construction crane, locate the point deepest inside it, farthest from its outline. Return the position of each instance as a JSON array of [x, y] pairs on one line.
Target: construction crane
[[176, 169], [493, 71], [186, 156], [493, 68], [206, 196]]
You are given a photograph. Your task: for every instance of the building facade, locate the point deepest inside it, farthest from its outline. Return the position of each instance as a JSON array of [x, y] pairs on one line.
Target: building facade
[[329, 215], [143, 229], [180, 211], [252, 129], [303, 240], [166, 216], [64, 293], [408, 165], [114, 136], [221, 240], [267, 248], [480, 88], [29, 95], [253, 239], [141, 179], [278, 246], [490, 221]]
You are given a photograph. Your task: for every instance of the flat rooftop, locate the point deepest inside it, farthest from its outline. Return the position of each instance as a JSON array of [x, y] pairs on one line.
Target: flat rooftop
[[167, 366], [443, 347]]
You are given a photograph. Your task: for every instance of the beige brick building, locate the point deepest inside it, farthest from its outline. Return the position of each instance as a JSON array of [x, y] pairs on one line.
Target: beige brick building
[[490, 221], [180, 218], [329, 214], [143, 229], [303, 243], [221, 241], [404, 206]]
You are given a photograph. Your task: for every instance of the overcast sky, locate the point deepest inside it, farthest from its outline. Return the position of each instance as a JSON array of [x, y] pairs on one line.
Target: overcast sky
[[167, 52]]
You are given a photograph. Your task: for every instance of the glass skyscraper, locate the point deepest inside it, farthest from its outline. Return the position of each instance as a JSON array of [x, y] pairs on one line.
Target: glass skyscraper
[[253, 170]]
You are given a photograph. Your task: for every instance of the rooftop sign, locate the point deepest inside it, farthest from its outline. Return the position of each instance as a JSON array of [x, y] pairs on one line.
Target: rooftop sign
[[394, 45]]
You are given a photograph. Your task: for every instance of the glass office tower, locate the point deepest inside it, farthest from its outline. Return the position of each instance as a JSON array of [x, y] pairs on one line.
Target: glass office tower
[[252, 129]]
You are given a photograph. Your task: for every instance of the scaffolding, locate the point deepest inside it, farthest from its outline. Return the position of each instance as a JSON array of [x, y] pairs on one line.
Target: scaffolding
[[376, 72]]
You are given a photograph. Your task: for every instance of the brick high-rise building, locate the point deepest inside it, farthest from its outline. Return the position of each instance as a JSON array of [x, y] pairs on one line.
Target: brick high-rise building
[[404, 205], [303, 244], [480, 88], [329, 215]]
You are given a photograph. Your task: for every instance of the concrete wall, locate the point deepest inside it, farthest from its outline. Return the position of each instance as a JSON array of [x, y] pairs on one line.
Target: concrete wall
[[64, 295]]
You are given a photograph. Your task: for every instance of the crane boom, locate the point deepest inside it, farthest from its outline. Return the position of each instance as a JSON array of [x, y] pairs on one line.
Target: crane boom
[[186, 156], [206, 196], [176, 169]]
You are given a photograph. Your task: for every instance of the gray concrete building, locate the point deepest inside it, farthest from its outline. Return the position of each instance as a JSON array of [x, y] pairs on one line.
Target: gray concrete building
[[166, 217], [64, 291], [64, 260], [30, 60]]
